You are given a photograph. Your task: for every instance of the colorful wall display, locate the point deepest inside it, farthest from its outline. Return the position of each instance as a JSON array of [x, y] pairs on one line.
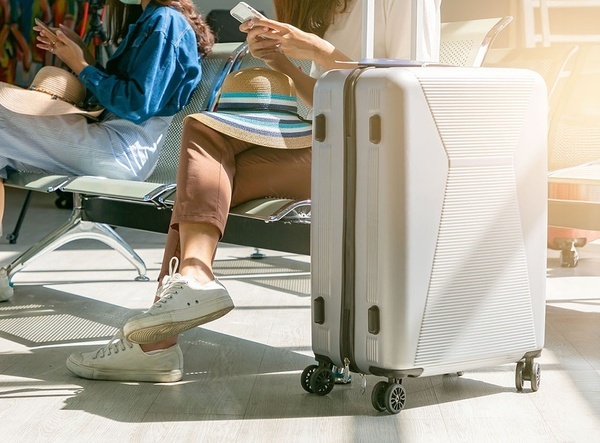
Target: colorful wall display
[[20, 59]]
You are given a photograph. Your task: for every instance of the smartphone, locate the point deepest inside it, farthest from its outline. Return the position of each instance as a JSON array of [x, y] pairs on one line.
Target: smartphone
[[244, 12], [45, 27]]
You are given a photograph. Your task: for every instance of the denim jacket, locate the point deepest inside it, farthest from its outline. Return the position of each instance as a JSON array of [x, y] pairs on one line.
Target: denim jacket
[[154, 70]]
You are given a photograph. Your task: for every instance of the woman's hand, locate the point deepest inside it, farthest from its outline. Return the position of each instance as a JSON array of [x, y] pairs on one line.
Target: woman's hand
[[63, 47], [73, 36], [263, 47]]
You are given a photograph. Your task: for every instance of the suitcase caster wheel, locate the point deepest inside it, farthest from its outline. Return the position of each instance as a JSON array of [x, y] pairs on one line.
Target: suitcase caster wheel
[[305, 377], [527, 371], [322, 381], [519, 376], [378, 396], [534, 377], [395, 398]]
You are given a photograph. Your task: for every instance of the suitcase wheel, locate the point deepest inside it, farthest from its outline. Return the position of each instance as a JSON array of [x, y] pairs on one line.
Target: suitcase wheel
[[527, 371], [305, 378], [322, 381], [378, 396], [387, 396]]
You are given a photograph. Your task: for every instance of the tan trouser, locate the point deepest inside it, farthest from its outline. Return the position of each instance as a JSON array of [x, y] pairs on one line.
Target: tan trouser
[[217, 172]]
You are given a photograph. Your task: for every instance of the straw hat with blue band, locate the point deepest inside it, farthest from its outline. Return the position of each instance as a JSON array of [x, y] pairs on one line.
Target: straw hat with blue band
[[259, 106]]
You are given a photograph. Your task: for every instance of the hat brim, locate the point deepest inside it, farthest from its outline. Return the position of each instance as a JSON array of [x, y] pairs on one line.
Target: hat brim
[[26, 101], [270, 129]]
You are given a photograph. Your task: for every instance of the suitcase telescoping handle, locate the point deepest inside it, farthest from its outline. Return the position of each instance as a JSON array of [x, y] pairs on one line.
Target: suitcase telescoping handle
[[368, 29]]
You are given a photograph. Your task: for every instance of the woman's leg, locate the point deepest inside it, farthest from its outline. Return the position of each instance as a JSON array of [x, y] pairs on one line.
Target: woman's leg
[[207, 167], [257, 172], [204, 182], [69, 145], [204, 186]]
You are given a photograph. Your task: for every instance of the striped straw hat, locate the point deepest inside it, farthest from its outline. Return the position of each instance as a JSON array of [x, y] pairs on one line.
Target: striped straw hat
[[53, 91], [258, 105]]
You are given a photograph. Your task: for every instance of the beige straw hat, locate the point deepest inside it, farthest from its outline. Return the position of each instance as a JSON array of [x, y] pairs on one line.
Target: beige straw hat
[[259, 105], [53, 91]]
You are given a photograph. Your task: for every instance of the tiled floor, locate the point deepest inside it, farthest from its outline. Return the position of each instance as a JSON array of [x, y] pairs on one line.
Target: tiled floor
[[242, 371]]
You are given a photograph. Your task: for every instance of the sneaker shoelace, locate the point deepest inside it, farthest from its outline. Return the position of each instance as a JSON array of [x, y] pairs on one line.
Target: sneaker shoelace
[[114, 346], [170, 284]]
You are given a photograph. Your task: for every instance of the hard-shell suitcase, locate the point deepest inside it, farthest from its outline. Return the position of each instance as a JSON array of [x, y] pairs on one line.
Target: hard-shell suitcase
[[428, 234]]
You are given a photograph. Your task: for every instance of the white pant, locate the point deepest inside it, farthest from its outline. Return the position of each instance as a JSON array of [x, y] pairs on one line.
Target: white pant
[[68, 144]]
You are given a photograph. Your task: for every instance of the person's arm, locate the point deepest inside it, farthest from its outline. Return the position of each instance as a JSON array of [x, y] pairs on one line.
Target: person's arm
[[305, 84], [156, 69], [295, 43]]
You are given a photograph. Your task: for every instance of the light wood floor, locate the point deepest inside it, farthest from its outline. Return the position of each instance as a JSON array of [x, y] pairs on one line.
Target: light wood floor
[[242, 372]]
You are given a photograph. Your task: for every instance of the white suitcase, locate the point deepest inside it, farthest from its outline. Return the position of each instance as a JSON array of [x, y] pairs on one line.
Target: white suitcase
[[428, 235]]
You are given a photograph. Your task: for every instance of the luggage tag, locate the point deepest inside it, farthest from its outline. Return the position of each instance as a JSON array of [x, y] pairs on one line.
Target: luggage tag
[[363, 384]]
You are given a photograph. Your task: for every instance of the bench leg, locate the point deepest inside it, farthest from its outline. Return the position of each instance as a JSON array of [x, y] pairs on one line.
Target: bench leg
[[12, 237], [74, 229]]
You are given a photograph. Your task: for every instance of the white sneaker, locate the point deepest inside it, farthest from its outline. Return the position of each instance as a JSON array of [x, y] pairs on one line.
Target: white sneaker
[[184, 304], [124, 361], [6, 290]]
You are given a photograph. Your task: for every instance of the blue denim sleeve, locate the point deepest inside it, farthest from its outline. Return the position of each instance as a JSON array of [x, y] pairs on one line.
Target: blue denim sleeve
[[153, 76]]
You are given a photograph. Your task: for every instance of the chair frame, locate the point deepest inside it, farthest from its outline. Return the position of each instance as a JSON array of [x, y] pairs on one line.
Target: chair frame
[[466, 43]]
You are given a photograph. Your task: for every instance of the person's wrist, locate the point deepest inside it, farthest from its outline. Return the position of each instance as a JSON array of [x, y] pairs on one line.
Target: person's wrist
[[279, 62], [323, 53], [78, 67]]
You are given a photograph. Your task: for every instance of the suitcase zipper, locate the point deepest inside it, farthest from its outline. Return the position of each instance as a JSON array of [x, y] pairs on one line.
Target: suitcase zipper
[[349, 185]]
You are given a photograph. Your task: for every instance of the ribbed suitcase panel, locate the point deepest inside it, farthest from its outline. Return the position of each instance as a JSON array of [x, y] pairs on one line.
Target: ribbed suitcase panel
[[479, 300]]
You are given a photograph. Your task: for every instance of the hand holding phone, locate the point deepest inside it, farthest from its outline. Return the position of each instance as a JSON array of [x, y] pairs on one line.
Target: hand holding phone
[[46, 29], [244, 12]]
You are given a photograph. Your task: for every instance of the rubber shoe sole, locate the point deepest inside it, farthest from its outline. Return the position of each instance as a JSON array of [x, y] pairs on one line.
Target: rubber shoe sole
[[122, 374], [152, 329]]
